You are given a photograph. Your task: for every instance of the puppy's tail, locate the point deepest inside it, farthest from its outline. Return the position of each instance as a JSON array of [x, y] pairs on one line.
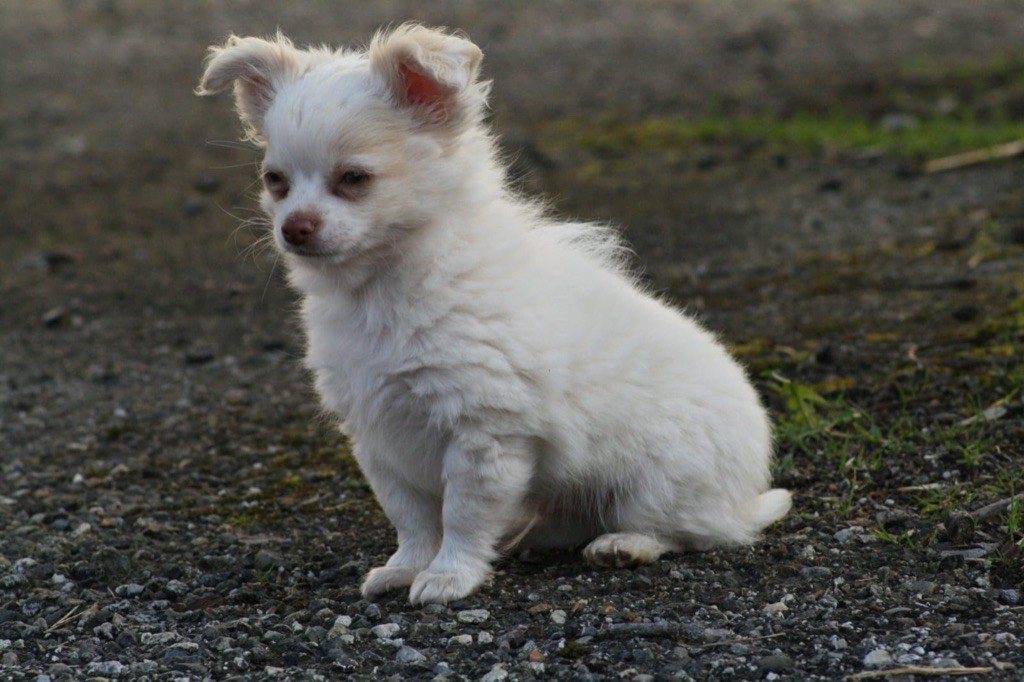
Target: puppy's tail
[[770, 506]]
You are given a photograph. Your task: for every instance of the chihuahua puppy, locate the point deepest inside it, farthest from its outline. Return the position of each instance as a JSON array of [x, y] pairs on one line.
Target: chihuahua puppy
[[502, 379]]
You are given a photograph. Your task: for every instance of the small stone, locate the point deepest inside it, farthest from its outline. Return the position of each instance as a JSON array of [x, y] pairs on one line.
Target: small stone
[[473, 616], [343, 621], [878, 658], [1009, 597], [460, 640], [106, 631], [776, 663], [711, 634], [496, 674], [54, 316], [129, 590], [777, 608], [844, 536], [946, 663], [443, 670], [830, 185], [923, 587], [407, 655], [266, 560], [60, 525], [176, 587], [199, 355], [386, 630], [813, 572], [558, 617], [484, 637], [111, 668], [372, 612]]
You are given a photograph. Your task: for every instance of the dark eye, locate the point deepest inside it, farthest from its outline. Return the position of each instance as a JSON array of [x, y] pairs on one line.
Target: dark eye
[[354, 178], [276, 183], [351, 184]]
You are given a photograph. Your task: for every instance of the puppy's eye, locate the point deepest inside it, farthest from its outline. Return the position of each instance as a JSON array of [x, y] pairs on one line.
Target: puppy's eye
[[353, 178], [276, 183], [351, 183]]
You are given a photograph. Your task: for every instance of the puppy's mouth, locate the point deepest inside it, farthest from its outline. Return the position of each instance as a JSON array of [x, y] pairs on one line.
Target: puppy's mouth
[[310, 252]]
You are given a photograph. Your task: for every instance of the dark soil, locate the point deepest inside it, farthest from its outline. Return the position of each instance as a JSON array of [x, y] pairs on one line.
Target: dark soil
[[172, 506]]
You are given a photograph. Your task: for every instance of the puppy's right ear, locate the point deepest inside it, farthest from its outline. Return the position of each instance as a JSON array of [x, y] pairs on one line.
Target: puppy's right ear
[[257, 68]]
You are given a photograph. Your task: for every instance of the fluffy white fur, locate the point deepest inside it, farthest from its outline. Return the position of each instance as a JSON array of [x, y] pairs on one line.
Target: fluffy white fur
[[502, 379]]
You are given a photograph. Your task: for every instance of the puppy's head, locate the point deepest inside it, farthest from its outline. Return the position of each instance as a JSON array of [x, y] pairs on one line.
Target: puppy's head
[[360, 147]]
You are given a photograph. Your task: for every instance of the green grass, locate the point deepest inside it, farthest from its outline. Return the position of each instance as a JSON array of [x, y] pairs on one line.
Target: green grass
[[827, 431], [928, 138]]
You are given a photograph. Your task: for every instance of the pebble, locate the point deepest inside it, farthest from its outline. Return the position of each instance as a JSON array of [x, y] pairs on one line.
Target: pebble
[[923, 587], [386, 630], [473, 616], [129, 590], [54, 316], [558, 617], [406, 654], [813, 572], [496, 673], [460, 640], [112, 668], [372, 612], [844, 536], [776, 663], [878, 658], [266, 559], [1009, 597], [443, 670]]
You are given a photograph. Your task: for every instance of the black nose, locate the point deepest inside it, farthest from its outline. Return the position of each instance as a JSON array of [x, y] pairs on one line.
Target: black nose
[[299, 228]]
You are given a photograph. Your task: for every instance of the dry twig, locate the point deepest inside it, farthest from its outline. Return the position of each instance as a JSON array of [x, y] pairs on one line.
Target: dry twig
[[974, 157], [994, 508], [71, 616], [917, 670]]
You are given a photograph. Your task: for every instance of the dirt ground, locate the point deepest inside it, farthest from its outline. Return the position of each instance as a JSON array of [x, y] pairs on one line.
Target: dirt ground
[[172, 507]]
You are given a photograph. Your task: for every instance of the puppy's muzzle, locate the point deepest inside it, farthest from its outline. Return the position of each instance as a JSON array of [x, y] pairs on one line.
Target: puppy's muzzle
[[299, 228]]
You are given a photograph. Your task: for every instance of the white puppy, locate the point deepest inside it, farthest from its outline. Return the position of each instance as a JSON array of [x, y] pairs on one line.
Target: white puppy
[[501, 378]]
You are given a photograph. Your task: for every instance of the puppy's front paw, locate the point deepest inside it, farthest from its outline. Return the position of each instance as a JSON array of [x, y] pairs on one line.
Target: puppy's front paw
[[624, 550], [386, 578], [441, 588]]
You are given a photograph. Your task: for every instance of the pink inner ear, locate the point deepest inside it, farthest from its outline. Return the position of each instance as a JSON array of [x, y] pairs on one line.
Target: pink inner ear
[[419, 89]]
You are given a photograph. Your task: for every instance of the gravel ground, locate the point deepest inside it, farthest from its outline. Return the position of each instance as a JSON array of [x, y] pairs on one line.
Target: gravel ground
[[172, 506]]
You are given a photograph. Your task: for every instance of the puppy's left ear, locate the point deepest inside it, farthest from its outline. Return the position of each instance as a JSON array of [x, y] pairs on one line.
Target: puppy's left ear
[[431, 72], [257, 68]]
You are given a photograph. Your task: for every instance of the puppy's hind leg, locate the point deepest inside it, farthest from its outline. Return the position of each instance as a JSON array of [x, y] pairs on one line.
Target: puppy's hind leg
[[625, 550]]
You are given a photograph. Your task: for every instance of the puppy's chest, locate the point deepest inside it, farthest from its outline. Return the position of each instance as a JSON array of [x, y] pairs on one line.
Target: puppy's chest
[[405, 369]]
